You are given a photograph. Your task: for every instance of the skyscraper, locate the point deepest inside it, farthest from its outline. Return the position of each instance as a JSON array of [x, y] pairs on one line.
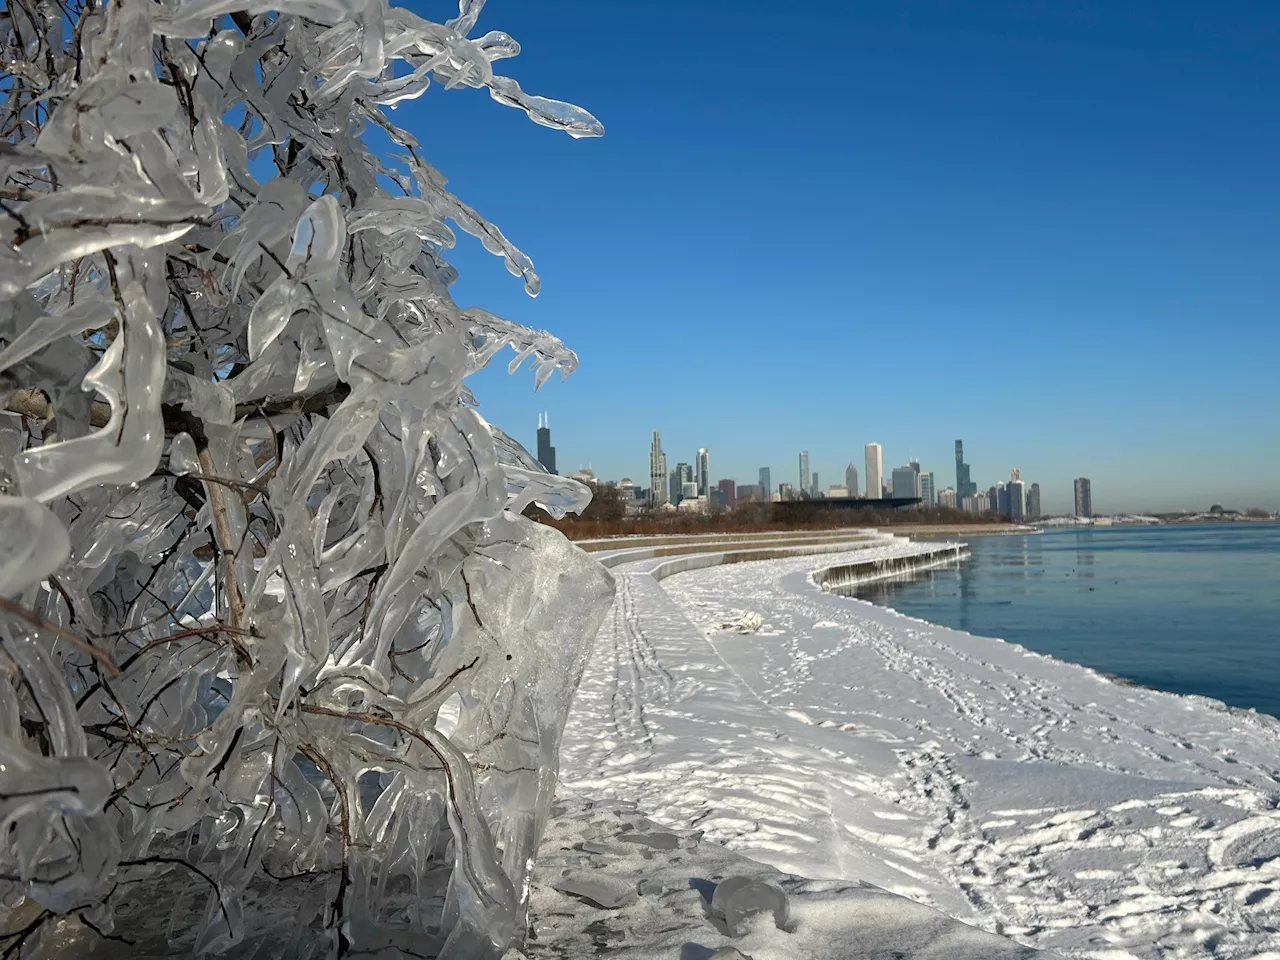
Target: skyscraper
[[702, 471], [927, 492], [965, 487], [814, 489], [851, 480], [766, 486], [546, 452], [906, 482], [728, 490], [947, 497], [1033, 502], [1084, 497], [683, 477], [875, 471], [1002, 500], [1017, 497], [659, 492], [804, 470]]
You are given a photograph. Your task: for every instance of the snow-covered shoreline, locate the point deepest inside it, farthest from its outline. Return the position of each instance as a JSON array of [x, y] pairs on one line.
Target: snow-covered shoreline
[[1022, 794]]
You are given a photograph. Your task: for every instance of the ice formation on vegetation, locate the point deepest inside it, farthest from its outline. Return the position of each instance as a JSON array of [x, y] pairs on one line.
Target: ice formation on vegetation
[[254, 536]]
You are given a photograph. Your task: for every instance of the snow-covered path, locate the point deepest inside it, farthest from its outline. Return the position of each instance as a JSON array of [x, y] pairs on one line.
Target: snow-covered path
[[1022, 794]]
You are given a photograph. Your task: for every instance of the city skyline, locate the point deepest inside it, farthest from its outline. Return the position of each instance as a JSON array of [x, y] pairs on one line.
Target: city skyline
[[1120, 492], [1015, 497], [986, 174]]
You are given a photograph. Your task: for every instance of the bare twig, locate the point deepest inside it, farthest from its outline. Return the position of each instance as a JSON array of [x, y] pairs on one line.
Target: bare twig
[[35, 620]]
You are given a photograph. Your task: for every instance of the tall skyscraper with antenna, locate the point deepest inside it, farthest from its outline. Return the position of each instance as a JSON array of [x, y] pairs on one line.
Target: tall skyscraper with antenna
[[546, 452], [965, 487]]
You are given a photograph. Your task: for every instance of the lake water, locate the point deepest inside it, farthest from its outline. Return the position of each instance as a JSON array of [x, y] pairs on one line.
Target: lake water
[[1185, 608]]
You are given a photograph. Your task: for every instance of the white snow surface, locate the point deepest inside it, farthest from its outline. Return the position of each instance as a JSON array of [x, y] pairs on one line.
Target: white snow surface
[[609, 882], [851, 745]]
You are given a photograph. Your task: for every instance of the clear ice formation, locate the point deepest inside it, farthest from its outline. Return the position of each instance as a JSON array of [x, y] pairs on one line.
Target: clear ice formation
[[738, 899], [253, 532]]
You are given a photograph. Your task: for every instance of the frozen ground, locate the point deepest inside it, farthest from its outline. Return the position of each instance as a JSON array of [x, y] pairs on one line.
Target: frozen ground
[[835, 740]]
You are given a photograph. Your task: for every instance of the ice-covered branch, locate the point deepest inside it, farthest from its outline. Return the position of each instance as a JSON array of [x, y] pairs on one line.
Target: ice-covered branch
[[284, 671]]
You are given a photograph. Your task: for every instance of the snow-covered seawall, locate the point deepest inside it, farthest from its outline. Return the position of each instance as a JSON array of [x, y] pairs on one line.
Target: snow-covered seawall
[[854, 572], [833, 739]]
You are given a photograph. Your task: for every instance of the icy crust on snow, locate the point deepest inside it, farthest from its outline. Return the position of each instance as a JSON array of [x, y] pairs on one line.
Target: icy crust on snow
[[839, 740], [674, 892]]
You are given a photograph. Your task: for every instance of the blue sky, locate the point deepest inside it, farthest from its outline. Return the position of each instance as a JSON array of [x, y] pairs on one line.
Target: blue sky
[[1052, 230]]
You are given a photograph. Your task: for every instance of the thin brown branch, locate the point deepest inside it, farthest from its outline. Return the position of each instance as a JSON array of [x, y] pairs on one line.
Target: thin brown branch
[[35, 620]]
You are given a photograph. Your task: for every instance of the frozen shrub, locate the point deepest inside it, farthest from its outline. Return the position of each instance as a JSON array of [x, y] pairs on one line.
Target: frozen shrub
[[253, 533]]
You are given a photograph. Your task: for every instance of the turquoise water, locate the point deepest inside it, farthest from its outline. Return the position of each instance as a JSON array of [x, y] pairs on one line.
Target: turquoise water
[[1185, 608]]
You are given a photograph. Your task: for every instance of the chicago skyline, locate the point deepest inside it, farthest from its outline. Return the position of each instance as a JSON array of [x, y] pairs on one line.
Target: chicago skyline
[[1015, 497], [685, 482]]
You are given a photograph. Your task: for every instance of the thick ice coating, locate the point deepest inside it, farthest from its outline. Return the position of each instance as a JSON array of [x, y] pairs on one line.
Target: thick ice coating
[[253, 532]]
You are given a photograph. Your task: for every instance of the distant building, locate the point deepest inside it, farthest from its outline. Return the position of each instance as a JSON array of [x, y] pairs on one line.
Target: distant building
[[838, 493], [947, 497], [749, 492], [927, 491], [673, 488], [1017, 497], [766, 487], [976, 504], [875, 471], [965, 487], [681, 475], [1033, 502], [804, 470], [728, 490], [626, 490], [585, 475], [688, 490], [546, 452], [702, 471], [659, 491], [1002, 499], [851, 480], [786, 491], [906, 482], [1084, 497], [814, 489], [716, 500], [693, 504]]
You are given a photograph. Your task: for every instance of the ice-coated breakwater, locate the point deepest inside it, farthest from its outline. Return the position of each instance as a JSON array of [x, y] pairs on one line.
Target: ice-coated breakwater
[[860, 571], [877, 553]]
